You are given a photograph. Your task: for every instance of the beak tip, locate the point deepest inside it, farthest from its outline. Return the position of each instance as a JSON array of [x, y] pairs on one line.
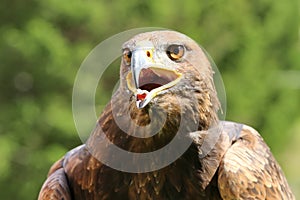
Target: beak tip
[[140, 104]]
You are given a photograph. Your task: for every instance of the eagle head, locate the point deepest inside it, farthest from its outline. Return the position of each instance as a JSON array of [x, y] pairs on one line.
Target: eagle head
[[168, 70]]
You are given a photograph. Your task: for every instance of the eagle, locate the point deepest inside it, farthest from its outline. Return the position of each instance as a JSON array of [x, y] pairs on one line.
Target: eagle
[[167, 89]]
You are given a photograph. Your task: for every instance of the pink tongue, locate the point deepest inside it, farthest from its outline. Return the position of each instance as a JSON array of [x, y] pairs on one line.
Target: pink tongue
[[141, 97]]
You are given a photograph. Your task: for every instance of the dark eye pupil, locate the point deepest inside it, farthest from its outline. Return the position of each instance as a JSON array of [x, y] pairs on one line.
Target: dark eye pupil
[[176, 50]]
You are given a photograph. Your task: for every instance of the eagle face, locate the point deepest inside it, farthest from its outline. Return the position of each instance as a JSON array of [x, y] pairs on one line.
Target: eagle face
[[158, 67]]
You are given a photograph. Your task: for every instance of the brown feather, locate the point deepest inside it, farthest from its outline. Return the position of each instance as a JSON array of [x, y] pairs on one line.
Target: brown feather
[[56, 186], [249, 170]]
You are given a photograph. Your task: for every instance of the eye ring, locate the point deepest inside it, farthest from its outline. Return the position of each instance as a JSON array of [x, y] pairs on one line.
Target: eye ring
[[127, 56], [175, 52]]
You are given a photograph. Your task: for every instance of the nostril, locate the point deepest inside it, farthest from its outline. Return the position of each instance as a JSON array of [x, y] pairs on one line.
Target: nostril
[[148, 54]]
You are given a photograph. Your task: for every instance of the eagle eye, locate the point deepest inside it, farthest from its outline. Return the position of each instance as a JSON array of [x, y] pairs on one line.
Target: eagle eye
[[175, 52], [127, 56]]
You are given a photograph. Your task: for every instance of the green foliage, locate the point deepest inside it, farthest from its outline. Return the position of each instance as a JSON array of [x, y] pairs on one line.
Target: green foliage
[[255, 44]]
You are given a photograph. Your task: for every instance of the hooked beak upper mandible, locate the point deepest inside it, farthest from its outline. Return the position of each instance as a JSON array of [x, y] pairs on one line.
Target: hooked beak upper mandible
[[141, 59]]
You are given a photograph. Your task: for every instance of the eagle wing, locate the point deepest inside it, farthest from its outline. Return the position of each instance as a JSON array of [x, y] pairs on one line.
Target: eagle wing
[[76, 173], [56, 186], [248, 170]]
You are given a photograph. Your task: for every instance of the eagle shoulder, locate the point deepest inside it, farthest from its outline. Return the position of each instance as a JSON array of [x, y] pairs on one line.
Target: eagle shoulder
[[248, 170], [56, 186]]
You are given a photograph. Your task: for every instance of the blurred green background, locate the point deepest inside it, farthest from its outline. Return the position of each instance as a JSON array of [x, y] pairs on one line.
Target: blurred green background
[[255, 45]]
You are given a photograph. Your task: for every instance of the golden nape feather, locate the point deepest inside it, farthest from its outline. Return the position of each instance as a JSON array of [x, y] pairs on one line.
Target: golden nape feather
[[166, 78]]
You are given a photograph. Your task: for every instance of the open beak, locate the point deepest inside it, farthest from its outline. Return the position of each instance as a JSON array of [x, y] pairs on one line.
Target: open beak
[[148, 78]]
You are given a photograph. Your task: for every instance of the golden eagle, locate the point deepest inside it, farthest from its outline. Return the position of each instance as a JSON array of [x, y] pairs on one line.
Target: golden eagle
[[165, 77]]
